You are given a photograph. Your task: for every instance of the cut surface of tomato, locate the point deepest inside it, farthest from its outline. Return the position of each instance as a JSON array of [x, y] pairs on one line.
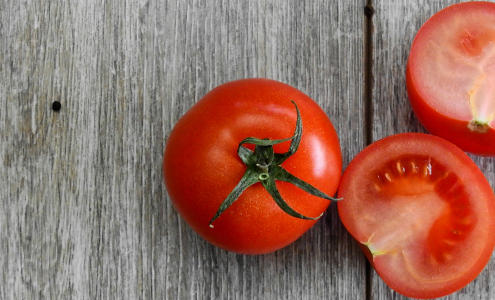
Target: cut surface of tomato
[[422, 211], [451, 76]]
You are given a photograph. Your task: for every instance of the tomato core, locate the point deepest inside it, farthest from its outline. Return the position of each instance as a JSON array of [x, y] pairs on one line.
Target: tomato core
[[418, 184]]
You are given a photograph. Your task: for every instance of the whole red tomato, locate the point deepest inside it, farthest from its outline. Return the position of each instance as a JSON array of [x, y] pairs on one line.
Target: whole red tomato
[[202, 166], [422, 211], [451, 76]]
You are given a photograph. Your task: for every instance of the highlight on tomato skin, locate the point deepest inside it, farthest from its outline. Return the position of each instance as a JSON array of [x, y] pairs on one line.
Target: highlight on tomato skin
[[450, 76], [422, 212]]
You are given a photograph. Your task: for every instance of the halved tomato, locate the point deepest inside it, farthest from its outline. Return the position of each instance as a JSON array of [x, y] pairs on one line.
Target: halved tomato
[[422, 211], [451, 76]]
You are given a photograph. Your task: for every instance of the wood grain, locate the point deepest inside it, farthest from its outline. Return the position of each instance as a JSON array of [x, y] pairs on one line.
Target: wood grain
[[84, 213], [395, 24]]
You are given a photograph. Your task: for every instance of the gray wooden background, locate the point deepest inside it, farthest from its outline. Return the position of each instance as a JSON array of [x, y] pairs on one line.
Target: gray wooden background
[[84, 213]]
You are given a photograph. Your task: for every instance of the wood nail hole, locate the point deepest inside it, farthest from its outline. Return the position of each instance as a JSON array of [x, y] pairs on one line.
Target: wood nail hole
[[56, 106], [369, 10]]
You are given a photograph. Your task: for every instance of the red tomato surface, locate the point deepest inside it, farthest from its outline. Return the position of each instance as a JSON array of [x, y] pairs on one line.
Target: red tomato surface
[[422, 211], [451, 76], [201, 165]]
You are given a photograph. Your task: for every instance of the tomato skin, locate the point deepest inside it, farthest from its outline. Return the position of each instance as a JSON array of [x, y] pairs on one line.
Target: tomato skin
[[453, 128], [410, 262], [201, 165]]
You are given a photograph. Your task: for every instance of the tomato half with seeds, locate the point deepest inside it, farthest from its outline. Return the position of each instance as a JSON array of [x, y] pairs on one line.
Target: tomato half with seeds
[[451, 76], [422, 212], [236, 141]]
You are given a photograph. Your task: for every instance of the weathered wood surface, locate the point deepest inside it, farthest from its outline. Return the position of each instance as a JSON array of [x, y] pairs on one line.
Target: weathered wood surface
[[84, 213]]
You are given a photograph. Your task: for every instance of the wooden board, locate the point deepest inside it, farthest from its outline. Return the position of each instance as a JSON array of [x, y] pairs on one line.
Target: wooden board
[[84, 213]]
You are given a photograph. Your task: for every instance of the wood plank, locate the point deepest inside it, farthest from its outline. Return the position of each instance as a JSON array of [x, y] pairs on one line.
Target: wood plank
[[395, 25], [84, 212]]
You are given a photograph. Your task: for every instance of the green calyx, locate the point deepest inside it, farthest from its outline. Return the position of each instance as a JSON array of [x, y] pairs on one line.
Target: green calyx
[[264, 166]]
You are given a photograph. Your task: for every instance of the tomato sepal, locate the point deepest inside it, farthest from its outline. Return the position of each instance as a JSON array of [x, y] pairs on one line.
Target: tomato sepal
[[264, 166]]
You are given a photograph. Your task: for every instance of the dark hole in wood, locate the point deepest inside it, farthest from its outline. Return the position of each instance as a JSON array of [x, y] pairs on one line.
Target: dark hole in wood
[[369, 10], [56, 106]]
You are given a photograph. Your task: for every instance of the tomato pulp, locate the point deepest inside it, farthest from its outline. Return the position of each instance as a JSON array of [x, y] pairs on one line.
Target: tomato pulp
[[451, 76], [201, 164], [422, 211]]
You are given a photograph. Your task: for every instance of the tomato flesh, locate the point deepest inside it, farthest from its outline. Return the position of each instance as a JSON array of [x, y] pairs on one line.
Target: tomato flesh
[[451, 76], [422, 211]]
